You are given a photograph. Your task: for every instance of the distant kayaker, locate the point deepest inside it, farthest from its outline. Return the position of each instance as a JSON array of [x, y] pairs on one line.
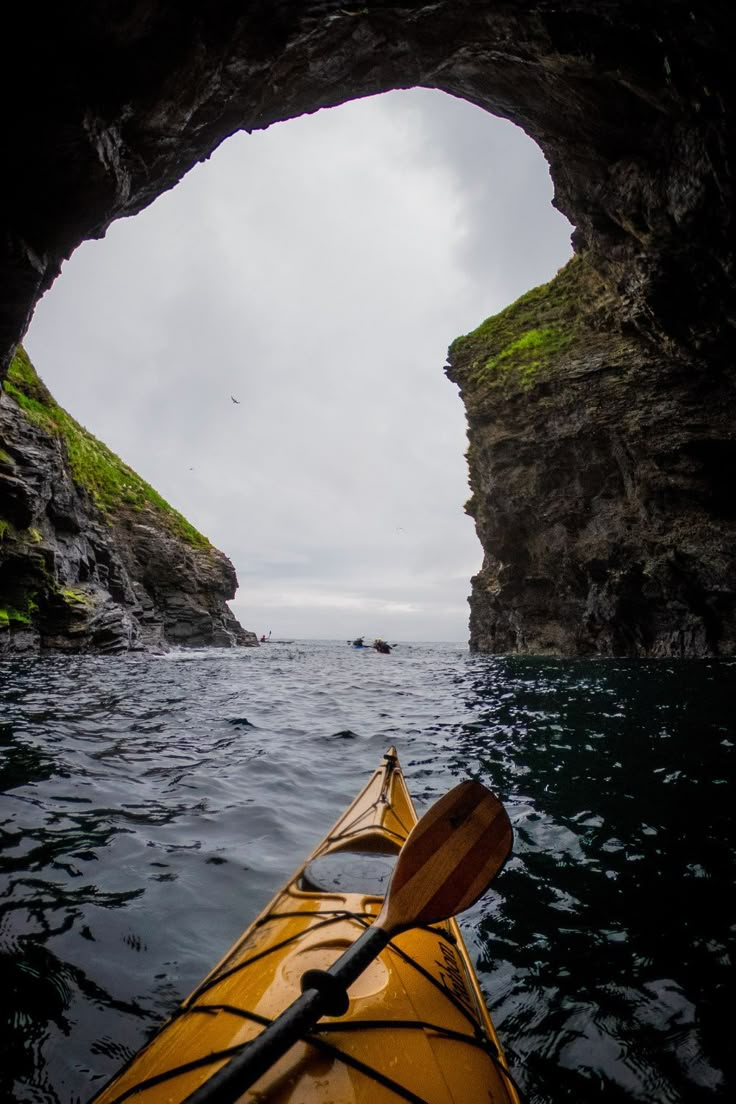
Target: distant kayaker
[[358, 642]]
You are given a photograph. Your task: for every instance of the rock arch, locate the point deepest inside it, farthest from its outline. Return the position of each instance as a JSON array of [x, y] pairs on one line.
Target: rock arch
[[110, 105]]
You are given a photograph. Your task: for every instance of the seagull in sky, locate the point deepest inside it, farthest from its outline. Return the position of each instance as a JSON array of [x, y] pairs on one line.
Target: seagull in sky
[[236, 401]]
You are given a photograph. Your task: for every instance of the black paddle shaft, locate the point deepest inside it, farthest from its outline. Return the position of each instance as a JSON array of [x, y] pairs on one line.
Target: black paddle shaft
[[324, 993]]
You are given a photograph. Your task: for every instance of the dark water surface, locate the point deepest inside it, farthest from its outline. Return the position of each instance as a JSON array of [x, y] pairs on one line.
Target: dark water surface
[[150, 806]]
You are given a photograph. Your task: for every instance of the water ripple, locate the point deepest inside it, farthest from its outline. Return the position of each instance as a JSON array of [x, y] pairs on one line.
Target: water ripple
[[152, 805]]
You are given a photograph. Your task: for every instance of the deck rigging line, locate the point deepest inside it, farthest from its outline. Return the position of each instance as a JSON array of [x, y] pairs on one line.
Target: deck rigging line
[[314, 1038]]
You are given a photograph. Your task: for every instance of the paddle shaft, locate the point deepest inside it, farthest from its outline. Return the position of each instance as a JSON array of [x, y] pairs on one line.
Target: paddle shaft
[[448, 860], [324, 994]]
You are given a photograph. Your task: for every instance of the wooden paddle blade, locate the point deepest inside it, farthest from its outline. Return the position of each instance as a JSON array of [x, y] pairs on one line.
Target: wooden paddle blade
[[449, 859]]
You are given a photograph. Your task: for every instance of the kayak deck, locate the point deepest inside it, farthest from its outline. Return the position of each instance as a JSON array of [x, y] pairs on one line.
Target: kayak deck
[[417, 1028]]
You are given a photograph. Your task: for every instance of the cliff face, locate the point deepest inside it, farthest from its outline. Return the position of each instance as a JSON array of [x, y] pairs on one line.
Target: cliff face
[[621, 455], [91, 558], [602, 486]]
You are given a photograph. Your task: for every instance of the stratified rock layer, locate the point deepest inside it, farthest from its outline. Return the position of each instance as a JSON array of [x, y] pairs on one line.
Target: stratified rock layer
[[91, 558], [602, 494], [107, 105]]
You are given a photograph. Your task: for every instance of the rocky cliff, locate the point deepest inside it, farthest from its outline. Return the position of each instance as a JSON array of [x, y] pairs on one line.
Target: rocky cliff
[[603, 488], [106, 106], [91, 558]]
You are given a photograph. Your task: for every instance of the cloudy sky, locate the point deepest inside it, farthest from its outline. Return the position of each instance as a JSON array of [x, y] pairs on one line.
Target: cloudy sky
[[317, 273]]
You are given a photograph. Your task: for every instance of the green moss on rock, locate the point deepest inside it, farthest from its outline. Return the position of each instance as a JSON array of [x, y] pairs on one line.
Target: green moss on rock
[[527, 354], [16, 616], [110, 482], [72, 597], [521, 345]]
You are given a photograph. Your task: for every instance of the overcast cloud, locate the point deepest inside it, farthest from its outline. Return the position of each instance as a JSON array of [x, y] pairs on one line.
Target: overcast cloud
[[317, 273]]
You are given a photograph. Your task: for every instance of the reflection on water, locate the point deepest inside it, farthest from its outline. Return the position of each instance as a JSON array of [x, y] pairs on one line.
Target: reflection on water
[[151, 806], [607, 947]]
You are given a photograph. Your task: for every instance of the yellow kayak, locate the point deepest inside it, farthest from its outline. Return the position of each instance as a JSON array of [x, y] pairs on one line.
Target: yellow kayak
[[417, 1028]]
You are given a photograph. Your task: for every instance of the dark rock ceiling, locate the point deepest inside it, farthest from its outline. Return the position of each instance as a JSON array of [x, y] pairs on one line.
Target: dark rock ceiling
[[107, 105]]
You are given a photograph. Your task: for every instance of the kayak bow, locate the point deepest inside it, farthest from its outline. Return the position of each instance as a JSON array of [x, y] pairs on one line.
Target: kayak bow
[[416, 1028]]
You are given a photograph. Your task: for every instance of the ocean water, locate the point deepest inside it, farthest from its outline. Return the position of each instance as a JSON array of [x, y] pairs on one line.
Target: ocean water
[[150, 807]]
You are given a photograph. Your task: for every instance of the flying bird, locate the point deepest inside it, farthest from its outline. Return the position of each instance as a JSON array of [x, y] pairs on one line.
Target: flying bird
[[236, 401]]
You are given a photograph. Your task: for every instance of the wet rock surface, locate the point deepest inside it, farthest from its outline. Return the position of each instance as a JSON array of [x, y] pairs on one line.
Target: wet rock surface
[[633, 106]]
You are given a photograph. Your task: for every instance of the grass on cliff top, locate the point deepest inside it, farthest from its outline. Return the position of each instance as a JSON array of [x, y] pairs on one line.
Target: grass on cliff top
[[514, 347], [111, 483]]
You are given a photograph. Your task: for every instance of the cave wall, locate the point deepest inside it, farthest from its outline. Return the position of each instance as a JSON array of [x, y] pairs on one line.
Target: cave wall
[[105, 106]]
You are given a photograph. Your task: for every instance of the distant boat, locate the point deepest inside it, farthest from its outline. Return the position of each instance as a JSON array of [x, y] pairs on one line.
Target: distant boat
[[378, 645]]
